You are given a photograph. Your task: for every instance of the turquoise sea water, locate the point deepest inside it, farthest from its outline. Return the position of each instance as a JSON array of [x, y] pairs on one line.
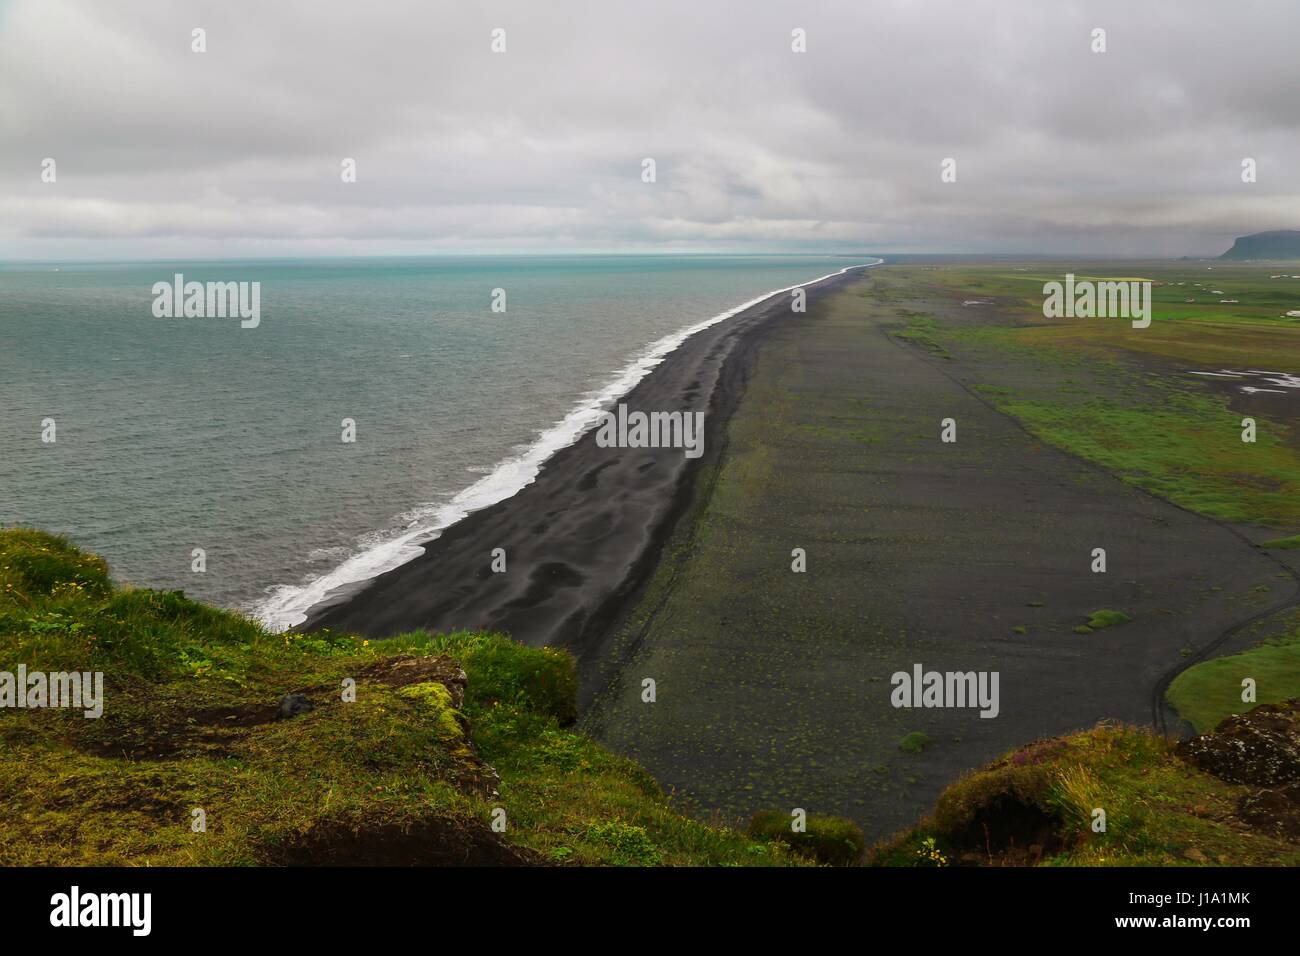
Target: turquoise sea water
[[176, 434]]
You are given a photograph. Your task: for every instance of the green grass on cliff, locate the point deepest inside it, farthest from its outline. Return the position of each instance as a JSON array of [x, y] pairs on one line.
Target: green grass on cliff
[[406, 773], [1039, 805]]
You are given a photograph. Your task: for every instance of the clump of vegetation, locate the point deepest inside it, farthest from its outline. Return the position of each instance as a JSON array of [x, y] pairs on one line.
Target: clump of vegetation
[[1108, 796], [1283, 543], [1102, 619], [922, 329], [447, 734], [929, 854], [629, 845], [914, 742], [829, 840]]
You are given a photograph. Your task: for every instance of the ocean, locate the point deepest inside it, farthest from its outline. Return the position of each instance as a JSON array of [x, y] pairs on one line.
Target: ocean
[[176, 434]]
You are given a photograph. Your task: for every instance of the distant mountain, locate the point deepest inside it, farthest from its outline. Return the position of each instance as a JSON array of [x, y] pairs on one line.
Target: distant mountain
[[1278, 244]]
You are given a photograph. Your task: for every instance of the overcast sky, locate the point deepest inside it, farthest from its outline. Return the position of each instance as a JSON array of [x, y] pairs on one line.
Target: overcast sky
[[161, 151]]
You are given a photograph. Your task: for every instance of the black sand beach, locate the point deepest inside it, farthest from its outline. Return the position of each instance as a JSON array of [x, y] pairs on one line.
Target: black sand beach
[[580, 540]]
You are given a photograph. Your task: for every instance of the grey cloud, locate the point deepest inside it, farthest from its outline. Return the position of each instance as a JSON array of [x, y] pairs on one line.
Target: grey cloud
[[162, 151]]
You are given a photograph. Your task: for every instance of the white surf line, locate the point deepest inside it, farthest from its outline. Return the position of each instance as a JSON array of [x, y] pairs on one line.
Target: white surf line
[[287, 605]]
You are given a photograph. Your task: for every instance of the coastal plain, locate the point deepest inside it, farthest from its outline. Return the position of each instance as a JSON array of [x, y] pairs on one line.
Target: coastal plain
[[773, 686], [829, 538]]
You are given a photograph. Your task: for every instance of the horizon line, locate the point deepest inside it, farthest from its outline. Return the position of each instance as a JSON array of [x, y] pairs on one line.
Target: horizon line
[[1045, 257]]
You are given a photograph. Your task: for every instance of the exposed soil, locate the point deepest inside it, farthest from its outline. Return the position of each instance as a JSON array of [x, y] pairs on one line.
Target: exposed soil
[[1276, 811], [167, 729], [1007, 832], [433, 841]]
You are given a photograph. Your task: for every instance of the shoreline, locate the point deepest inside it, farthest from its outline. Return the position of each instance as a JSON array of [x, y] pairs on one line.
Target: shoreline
[[582, 535], [289, 606]]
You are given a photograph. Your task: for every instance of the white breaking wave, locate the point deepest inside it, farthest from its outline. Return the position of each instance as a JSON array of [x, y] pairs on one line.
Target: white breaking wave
[[287, 605]]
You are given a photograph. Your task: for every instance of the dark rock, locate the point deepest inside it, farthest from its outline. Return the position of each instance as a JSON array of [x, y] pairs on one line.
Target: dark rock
[[1276, 811], [291, 705], [1261, 747]]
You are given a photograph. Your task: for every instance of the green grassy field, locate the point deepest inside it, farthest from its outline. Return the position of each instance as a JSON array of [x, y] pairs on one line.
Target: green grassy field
[[1187, 449], [1121, 396]]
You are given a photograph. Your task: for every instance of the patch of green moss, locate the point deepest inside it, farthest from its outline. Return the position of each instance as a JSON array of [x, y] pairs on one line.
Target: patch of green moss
[[1103, 619], [436, 698], [914, 743]]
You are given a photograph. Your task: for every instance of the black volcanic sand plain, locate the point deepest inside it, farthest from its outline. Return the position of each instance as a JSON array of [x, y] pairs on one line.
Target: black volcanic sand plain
[[773, 687], [581, 539]]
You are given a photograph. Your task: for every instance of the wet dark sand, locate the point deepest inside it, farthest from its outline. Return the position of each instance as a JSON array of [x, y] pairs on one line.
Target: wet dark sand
[[580, 539]]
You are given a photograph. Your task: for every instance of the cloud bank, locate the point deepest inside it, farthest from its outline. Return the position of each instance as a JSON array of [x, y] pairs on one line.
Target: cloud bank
[[237, 151]]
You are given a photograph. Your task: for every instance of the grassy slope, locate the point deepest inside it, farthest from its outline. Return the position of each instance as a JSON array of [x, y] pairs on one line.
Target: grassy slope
[[188, 723], [1038, 806]]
